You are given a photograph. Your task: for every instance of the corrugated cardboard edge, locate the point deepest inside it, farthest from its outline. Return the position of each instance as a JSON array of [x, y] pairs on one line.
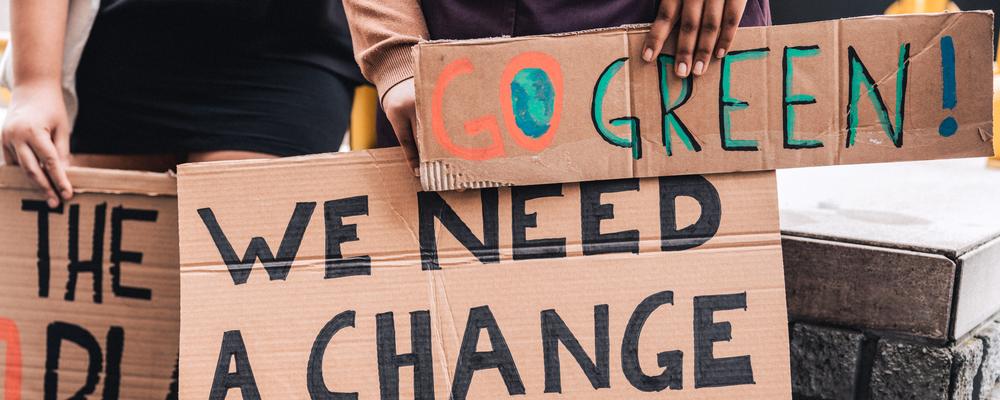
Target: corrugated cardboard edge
[[102, 181], [435, 175]]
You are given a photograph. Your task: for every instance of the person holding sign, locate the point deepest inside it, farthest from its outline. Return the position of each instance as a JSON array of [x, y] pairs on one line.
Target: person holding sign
[[384, 32], [164, 82]]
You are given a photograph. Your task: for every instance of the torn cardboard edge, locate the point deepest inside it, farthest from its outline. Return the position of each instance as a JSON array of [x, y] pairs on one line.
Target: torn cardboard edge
[[440, 171], [98, 180]]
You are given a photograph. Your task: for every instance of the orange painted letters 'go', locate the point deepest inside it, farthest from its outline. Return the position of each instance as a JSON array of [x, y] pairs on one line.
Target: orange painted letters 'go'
[[531, 98]]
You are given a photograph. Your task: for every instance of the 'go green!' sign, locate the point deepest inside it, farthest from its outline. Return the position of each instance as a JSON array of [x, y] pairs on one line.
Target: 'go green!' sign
[[585, 106]]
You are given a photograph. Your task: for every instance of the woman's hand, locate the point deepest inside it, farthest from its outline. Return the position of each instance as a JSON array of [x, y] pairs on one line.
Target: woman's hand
[[707, 28], [399, 104], [36, 136]]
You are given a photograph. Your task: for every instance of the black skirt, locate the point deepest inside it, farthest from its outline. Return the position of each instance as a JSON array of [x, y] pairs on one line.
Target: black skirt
[[156, 83]]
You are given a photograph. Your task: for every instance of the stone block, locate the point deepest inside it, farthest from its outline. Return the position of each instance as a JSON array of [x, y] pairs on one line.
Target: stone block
[[986, 382], [825, 362], [907, 371], [967, 357]]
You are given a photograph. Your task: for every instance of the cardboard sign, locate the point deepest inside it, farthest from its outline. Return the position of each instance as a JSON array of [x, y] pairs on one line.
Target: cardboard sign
[[584, 106], [89, 294], [335, 277]]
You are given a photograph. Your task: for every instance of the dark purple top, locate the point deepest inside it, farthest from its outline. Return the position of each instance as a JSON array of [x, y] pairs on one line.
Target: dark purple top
[[469, 19]]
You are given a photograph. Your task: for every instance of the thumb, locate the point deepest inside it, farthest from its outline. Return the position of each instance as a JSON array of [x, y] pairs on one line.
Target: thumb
[[404, 133], [60, 137]]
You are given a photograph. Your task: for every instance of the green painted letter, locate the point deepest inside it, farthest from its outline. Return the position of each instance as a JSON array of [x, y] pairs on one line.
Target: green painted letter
[[670, 119], [728, 104], [597, 113], [859, 76], [791, 100]]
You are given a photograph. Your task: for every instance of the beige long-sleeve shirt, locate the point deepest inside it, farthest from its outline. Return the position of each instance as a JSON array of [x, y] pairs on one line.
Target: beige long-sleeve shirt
[[384, 33]]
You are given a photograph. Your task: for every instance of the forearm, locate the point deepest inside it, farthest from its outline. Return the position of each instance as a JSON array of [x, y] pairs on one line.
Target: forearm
[[38, 30], [384, 33]]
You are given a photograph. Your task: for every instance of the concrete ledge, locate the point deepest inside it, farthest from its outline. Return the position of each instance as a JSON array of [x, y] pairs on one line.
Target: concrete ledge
[[869, 288], [978, 286], [904, 249]]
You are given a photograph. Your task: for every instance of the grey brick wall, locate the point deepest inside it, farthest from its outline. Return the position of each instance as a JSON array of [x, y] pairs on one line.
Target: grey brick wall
[[840, 364]]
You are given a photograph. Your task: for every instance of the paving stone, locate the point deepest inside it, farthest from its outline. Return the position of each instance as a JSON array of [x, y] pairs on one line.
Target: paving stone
[[945, 207], [824, 362], [905, 371], [990, 370], [967, 357]]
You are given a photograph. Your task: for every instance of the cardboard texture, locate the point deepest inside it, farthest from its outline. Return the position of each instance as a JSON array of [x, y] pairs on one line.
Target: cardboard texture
[[323, 276], [584, 106], [89, 298]]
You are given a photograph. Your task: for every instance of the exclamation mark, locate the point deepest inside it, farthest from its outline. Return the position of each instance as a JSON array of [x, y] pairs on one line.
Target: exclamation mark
[[949, 96]]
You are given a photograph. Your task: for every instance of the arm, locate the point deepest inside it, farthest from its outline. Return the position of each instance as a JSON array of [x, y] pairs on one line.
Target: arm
[[384, 33], [36, 131]]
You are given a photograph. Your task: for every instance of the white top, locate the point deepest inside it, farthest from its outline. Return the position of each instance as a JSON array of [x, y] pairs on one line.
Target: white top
[[82, 14]]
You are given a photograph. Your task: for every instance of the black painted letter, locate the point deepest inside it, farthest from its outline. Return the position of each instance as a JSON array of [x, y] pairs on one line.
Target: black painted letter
[[593, 212], [337, 233], [702, 191], [432, 207], [119, 256], [56, 333], [554, 331], [233, 348], [276, 267], [113, 369], [421, 358], [44, 268], [671, 361], [710, 371], [470, 360], [314, 370], [95, 265], [525, 249]]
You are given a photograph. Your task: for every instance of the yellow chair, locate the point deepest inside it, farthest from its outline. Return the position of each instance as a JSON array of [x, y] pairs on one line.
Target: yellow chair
[[363, 118], [4, 93], [920, 6]]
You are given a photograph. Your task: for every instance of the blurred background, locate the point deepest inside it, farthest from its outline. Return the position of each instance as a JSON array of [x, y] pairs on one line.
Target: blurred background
[[795, 11], [362, 131], [783, 11]]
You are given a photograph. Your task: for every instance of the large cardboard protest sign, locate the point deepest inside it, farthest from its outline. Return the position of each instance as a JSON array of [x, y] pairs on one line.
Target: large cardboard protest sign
[[89, 290], [584, 106], [335, 277]]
